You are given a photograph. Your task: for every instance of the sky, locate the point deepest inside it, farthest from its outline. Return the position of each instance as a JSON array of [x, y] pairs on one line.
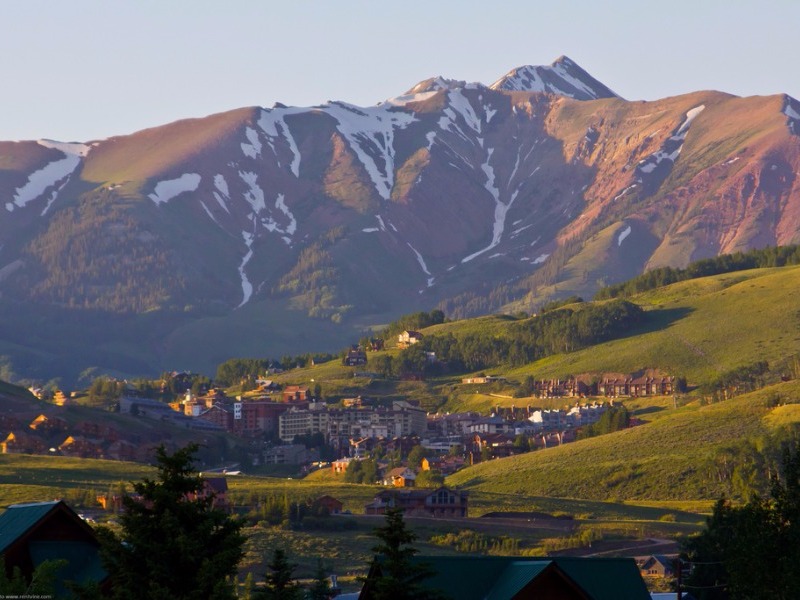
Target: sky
[[90, 69]]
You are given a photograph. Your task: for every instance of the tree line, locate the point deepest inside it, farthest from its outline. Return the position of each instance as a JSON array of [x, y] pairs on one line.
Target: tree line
[[773, 256], [557, 331]]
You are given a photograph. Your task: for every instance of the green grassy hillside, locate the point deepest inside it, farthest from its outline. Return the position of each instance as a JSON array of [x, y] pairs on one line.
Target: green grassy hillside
[[688, 453], [699, 329]]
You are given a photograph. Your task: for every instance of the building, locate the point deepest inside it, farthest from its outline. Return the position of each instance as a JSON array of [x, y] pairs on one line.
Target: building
[[441, 502], [400, 477], [38, 531], [355, 357], [656, 565], [295, 393], [329, 503], [256, 417], [290, 454], [520, 578], [409, 338], [301, 422]]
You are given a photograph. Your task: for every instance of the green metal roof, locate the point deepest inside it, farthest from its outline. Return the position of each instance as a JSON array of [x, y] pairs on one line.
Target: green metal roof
[[516, 576], [19, 518], [605, 578], [502, 577]]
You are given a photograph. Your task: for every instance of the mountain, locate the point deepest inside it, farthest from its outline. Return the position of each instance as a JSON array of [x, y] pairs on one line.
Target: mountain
[[266, 231]]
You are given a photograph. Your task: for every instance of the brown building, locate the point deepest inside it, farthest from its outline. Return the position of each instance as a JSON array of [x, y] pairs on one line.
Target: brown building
[[331, 504], [256, 417], [295, 393], [441, 502]]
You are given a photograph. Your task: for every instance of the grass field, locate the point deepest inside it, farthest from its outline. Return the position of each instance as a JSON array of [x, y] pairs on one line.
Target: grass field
[[671, 458]]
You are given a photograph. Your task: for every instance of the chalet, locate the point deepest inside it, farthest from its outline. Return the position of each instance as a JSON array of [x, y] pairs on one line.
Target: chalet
[[35, 532], [330, 504], [355, 357], [441, 502], [267, 385], [656, 565], [76, 445], [409, 338], [519, 578], [22, 443], [400, 477], [219, 414], [217, 488], [295, 393], [60, 398], [338, 467], [43, 423]]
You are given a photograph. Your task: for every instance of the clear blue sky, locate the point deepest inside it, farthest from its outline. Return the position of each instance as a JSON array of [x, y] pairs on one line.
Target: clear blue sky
[[87, 69]]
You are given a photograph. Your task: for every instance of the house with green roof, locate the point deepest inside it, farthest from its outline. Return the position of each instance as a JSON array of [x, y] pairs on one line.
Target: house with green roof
[[522, 578], [39, 531]]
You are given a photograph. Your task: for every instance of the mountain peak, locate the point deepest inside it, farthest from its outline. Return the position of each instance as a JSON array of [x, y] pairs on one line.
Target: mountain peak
[[434, 84], [563, 77]]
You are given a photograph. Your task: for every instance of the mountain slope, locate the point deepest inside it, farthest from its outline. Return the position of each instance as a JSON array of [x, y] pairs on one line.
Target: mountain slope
[[475, 198], [679, 456]]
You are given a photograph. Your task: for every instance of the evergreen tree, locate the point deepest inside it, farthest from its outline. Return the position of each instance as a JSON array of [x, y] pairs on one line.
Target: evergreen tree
[[400, 576], [752, 551], [174, 544], [41, 585], [280, 583], [321, 587]]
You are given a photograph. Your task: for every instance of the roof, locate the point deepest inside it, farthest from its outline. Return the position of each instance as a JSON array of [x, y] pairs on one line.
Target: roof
[[37, 530], [503, 577], [19, 518]]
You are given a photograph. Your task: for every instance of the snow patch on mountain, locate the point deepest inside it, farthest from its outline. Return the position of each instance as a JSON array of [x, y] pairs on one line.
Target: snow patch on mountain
[[273, 123], [49, 175], [253, 147], [564, 78], [247, 287], [170, 188], [280, 204], [370, 134], [434, 84], [255, 195], [422, 264], [623, 234], [54, 195], [408, 98], [540, 259], [222, 195], [208, 212], [673, 145], [500, 208], [625, 191]]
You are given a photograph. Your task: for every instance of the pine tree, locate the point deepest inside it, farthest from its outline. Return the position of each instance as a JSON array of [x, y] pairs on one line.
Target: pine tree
[[400, 576], [280, 583], [321, 587], [174, 544]]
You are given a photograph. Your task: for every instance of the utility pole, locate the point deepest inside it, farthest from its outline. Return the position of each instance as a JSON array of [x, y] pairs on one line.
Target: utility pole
[[679, 596]]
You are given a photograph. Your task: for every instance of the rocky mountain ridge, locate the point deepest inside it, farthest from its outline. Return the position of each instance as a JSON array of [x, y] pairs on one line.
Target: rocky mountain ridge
[[275, 230]]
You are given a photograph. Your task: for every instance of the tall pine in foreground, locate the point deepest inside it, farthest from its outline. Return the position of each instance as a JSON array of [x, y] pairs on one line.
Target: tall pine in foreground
[[174, 544], [401, 577], [280, 582], [751, 551]]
